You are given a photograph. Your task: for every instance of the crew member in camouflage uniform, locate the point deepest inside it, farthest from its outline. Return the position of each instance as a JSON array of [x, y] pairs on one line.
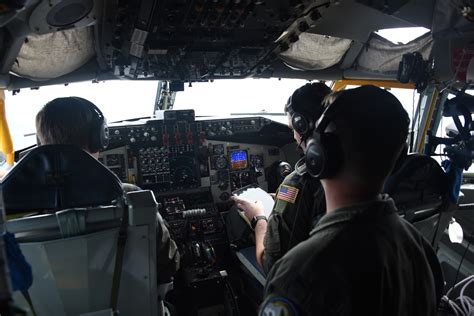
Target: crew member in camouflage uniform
[[361, 257], [299, 201]]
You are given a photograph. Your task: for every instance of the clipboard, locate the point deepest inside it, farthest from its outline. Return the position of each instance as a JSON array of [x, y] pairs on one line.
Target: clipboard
[[253, 193]]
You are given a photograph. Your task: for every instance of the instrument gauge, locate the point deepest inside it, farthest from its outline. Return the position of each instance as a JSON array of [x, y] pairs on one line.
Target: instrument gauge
[[221, 162]]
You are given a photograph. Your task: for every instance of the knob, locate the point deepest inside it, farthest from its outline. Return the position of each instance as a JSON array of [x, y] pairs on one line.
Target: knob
[[117, 132], [146, 134], [153, 138], [224, 196], [253, 122], [132, 140]]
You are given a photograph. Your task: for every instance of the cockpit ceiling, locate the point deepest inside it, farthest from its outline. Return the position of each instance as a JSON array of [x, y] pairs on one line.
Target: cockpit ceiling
[[203, 40]]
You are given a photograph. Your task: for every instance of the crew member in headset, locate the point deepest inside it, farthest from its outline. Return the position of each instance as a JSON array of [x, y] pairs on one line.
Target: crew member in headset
[[77, 121], [299, 201], [361, 258]]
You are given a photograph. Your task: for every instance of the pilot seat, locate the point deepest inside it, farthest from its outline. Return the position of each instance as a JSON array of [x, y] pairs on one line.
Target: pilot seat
[[79, 217], [420, 189]]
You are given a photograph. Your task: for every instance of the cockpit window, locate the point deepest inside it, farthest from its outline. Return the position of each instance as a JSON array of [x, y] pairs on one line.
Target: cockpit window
[[118, 100], [247, 96], [2, 159], [402, 35], [122, 100]]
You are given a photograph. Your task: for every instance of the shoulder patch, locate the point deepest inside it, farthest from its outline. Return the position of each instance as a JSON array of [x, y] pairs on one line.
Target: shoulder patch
[[287, 193], [278, 306]]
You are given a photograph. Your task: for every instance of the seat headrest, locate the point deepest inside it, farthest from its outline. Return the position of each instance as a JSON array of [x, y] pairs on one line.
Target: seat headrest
[[53, 177], [417, 180]]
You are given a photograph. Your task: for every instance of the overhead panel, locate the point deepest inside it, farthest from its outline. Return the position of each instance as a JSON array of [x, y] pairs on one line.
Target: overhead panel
[[386, 6], [200, 40]]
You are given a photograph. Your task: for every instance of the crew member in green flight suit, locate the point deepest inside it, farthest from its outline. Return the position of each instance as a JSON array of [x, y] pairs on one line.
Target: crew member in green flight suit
[[299, 201]]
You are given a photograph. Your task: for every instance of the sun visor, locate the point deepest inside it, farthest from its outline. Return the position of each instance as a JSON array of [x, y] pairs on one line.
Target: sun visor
[[315, 52], [382, 56], [55, 54]]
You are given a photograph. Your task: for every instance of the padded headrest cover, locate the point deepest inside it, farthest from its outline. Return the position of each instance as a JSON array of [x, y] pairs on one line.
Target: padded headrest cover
[[417, 180], [53, 177]]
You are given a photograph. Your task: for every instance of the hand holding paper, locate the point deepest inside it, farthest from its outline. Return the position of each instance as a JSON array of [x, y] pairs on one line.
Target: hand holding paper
[[249, 208], [254, 202]]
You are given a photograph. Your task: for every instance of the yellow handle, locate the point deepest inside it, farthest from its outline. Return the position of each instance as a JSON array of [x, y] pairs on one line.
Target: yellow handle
[[6, 143]]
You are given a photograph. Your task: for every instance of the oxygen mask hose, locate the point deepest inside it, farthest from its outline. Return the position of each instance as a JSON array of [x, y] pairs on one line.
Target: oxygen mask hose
[[6, 143]]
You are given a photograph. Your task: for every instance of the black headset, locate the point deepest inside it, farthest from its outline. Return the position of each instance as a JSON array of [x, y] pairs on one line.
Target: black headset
[[300, 122], [99, 131], [300, 106], [324, 154]]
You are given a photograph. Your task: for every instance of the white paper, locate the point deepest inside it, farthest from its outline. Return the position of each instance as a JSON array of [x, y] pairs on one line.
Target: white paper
[[254, 194]]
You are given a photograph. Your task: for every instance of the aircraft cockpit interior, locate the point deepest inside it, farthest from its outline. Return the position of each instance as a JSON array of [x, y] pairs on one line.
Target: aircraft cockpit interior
[[193, 166], [83, 229]]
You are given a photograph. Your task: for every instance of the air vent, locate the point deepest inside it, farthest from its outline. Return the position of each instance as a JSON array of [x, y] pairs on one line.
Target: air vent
[[69, 12]]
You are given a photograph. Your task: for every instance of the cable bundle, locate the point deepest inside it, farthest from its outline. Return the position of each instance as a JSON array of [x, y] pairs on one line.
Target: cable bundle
[[462, 305]]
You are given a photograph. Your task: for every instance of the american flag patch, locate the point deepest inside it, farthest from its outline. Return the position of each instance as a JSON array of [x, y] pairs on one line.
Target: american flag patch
[[287, 193]]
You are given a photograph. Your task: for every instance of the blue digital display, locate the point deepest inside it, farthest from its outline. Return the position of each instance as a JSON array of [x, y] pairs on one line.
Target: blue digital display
[[238, 159]]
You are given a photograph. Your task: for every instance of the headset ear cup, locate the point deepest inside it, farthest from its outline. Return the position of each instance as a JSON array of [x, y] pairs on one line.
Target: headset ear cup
[[300, 124], [104, 135], [324, 155], [99, 133], [315, 156]]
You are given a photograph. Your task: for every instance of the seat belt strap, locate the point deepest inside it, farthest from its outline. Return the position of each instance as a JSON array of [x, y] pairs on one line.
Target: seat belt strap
[[121, 241]]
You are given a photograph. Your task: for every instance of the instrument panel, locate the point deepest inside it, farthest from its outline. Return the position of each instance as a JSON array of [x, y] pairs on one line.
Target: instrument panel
[[193, 166]]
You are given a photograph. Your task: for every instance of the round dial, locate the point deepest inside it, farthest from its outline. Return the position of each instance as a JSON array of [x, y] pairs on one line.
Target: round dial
[[221, 162], [218, 149], [183, 175]]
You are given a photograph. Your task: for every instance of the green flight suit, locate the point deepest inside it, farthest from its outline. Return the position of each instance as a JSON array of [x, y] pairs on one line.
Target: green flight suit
[[299, 203], [359, 260]]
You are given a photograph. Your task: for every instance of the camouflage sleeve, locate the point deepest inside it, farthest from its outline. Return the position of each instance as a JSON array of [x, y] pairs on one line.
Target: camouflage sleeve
[[279, 298], [289, 222], [166, 251]]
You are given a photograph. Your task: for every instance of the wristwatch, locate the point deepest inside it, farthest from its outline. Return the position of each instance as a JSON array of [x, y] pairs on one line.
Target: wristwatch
[[255, 220]]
